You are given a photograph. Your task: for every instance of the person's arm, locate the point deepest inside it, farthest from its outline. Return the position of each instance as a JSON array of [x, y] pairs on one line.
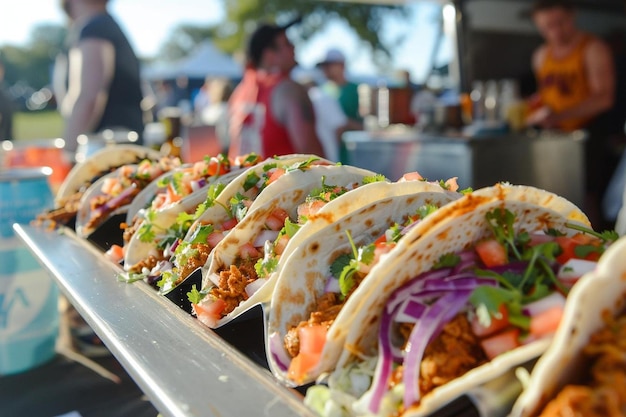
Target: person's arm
[[91, 67], [601, 80], [292, 107]]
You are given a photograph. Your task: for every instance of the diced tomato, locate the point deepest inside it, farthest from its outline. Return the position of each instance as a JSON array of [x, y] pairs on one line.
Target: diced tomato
[[412, 176], [546, 322], [452, 184], [218, 166], [310, 207], [381, 240], [247, 251], [497, 323], [214, 238], [568, 247], [491, 253], [301, 365], [172, 196], [115, 253], [210, 313], [382, 248], [280, 213], [274, 223], [312, 338], [229, 224], [276, 174], [281, 244], [500, 343]]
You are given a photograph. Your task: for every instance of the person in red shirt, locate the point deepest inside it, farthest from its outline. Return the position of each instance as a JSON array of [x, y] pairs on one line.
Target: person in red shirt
[[269, 113]]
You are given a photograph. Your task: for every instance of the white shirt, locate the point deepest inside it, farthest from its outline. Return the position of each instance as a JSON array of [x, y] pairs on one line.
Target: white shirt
[[328, 118]]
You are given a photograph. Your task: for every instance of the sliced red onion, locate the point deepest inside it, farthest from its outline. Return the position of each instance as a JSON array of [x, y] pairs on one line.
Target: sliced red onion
[[426, 329], [410, 311], [408, 228], [414, 285], [264, 236], [174, 245], [574, 269], [202, 182], [332, 285], [556, 299], [254, 286], [278, 352], [384, 365]]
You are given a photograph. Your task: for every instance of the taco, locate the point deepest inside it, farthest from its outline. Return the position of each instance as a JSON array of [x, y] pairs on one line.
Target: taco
[[471, 291], [582, 373], [155, 219], [184, 238], [84, 174], [115, 191], [235, 277], [318, 278]]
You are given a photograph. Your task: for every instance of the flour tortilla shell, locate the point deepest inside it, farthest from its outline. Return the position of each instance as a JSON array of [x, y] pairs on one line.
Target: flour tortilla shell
[[303, 277], [286, 193], [453, 228], [599, 292]]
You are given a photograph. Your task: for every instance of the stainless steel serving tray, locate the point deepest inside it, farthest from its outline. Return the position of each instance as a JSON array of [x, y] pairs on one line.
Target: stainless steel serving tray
[[183, 367]]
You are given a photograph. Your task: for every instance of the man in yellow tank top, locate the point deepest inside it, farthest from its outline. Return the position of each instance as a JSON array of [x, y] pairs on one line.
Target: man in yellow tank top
[[574, 70], [576, 88]]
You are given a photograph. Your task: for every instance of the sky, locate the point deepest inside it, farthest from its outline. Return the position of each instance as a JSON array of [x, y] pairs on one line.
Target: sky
[[148, 23]]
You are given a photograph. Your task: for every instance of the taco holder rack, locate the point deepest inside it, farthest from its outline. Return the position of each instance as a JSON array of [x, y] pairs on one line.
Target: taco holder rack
[[184, 368]]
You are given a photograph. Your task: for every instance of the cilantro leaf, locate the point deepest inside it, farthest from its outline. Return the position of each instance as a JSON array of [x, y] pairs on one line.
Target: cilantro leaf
[[374, 178], [448, 260], [252, 180], [466, 191], [265, 266], [582, 251], [426, 209], [302, 165], [145, 233], [201, 233], [237, 206], [195, 296], [339, 264], [606, 236]]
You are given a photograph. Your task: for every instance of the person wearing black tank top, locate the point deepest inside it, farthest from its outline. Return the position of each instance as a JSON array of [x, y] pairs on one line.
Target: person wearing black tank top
[[97, 81]]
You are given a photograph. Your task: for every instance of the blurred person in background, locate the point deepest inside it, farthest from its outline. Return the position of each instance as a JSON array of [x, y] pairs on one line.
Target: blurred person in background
[[6, 109], [334, 68], [215, 113], [97, 83], [269, 113], [330, 120], [576, 89]]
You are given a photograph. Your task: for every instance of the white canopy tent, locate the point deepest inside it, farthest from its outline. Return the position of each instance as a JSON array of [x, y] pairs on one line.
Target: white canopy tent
[[204, 60]]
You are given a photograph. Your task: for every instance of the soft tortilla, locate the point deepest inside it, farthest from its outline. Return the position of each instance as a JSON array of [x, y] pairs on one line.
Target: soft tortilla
[[302, 278], [600, 291], [450, 229], [286, 193], [101, 162]]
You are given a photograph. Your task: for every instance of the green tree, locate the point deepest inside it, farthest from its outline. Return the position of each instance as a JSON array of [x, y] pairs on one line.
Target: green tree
[[32, 64], [242, 17], [366, 20]]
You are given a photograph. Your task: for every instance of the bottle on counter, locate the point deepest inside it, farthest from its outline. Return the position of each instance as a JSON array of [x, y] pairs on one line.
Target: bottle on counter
[[478, 101]]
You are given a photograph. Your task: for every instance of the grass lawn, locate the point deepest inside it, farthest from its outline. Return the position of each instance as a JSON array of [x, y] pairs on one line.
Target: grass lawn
[[37, 125]]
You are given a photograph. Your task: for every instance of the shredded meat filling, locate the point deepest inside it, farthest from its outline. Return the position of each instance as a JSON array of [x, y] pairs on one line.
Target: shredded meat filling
[[202, 252], [328, 307], [232, 284], [602, 391], [452, 354]]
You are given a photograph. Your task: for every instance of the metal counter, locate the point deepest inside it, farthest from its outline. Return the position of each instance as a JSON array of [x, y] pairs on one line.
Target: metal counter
[[548, 160], [183, 367]]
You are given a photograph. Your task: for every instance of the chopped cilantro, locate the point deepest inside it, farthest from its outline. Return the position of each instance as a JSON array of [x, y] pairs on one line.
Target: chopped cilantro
[[195, 296], [375, 178], [466, 191], [252, 180], [425, 210], [302, 165], [145, 233], [582, 251], [448, 260], [238, 209], [339, 264], [605, 236], [265, 266], [201, 233]]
